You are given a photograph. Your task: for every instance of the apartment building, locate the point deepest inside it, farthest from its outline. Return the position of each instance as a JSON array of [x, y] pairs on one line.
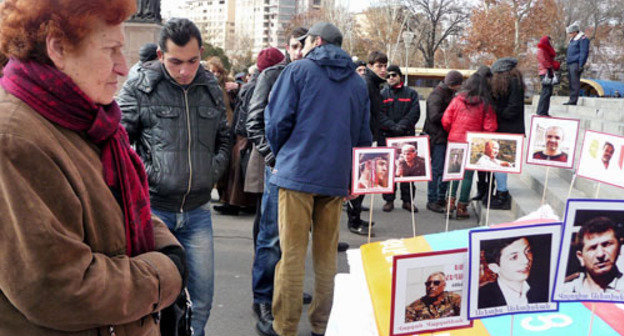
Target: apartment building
[[264, 22], [215, 19]]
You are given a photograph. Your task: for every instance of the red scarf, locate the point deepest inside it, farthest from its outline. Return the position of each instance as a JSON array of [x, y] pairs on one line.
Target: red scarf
[[57, 98]]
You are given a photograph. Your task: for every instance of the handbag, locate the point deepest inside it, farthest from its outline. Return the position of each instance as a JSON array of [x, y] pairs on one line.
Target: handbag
[[175, 320], [554, 80]]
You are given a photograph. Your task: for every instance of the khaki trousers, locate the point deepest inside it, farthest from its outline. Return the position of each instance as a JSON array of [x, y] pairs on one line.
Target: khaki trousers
[[299, 213]]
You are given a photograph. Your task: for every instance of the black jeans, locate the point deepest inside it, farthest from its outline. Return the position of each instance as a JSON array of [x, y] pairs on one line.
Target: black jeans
[[405, 193], [575, 81], [544, 101]]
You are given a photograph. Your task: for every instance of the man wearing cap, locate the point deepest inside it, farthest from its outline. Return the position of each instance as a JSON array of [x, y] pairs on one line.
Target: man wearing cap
[[437, 103], [317, 113], [360, 68], [146, 53], [578, 50], [401, 110], [267, 249]]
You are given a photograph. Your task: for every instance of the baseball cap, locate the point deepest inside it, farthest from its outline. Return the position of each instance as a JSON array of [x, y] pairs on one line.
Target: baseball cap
[[327, 31]]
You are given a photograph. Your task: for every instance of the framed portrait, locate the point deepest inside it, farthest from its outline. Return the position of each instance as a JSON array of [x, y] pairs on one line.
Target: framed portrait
[[429, 292], [412, 155], [552, 141], [497, 152], [372, 171], [602, 158], [512, 270], [455, 161], [591, 263]]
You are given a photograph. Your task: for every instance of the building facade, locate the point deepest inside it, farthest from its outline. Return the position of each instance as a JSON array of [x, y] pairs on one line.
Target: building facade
[[215, 19]]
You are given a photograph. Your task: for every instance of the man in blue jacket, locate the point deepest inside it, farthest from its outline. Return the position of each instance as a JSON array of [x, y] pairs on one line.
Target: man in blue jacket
[[578, 50], [317, 113]]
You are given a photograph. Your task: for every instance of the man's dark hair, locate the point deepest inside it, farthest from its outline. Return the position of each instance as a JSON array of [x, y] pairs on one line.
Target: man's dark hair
[[377, 56], [600, 224], [297, 32], [492, 248], [608, 144], [179, 31]]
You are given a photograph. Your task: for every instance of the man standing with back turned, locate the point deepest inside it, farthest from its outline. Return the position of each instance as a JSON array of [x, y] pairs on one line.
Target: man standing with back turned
[[174, 113], [317, 113], [578, 50]]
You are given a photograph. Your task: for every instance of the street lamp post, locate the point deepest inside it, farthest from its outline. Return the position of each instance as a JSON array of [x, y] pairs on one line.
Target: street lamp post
[[407, 38]]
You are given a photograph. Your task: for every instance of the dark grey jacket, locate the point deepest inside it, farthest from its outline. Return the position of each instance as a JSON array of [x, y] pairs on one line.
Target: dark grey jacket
[[255, 118], [437, 103], [180, 133]]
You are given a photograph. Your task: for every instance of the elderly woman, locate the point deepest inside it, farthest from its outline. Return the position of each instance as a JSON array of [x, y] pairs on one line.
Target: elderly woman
[[80, 251]]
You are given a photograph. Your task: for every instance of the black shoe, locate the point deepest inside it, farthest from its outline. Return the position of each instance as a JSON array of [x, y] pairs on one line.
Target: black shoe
[[315, 334], [435, 207], [360, 228], [342, 246], [569, 103], [265, 328], [307, 298], [263, 311], [256, 309], [502, 201], [226, 209], [365, 208]]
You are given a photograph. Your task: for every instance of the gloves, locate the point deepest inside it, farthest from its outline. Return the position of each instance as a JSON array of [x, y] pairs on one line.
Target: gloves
[[178, 256], [398, 129]]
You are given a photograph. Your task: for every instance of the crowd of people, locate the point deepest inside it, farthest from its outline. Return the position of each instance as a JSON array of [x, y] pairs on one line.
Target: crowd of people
[[108, 198]]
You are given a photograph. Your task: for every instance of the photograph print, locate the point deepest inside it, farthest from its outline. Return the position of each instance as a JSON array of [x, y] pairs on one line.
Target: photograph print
[[372, 169], [591, 263], [512, 270], [552, 141], [497, 152], [455, 161], [429, 292], [602, 158], [413, 162]]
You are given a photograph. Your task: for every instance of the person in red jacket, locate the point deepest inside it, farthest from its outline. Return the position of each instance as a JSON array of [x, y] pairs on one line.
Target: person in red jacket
[[470, 111], [547, 66]]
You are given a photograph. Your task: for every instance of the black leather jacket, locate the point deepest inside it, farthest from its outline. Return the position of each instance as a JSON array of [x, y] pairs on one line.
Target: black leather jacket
[[377, 118], [180, 133], [259, 101]]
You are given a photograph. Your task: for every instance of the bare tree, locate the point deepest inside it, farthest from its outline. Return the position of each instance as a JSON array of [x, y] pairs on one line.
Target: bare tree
[[434, 21]]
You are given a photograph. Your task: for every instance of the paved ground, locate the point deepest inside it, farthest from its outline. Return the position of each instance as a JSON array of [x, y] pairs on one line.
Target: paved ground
[[231, 313]]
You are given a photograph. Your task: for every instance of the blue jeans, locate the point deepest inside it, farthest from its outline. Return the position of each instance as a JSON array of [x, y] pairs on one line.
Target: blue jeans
[[501, 181], [194, 231], [436, 188], [268, 251]]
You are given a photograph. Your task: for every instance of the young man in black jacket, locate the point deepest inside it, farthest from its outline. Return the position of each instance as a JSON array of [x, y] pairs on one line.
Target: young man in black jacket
[[174, 113], [437, 103], [400, 113], [374, 77]]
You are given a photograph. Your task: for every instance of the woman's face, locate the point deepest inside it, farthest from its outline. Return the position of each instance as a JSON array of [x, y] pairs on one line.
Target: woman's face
[[216, 72], [97, 62], [516, 260]]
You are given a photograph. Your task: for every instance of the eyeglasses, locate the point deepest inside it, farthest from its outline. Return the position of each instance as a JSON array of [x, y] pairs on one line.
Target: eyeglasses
[[434, 282], [390, 75]]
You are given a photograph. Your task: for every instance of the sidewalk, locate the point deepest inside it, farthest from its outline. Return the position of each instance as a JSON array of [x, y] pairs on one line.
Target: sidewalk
[[231, 312]]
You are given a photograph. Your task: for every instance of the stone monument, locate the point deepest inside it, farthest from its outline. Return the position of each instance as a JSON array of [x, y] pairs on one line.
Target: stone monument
[[142, 27]]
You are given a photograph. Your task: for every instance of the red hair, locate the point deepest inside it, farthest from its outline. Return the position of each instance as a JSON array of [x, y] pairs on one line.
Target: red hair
[[25, 24]]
